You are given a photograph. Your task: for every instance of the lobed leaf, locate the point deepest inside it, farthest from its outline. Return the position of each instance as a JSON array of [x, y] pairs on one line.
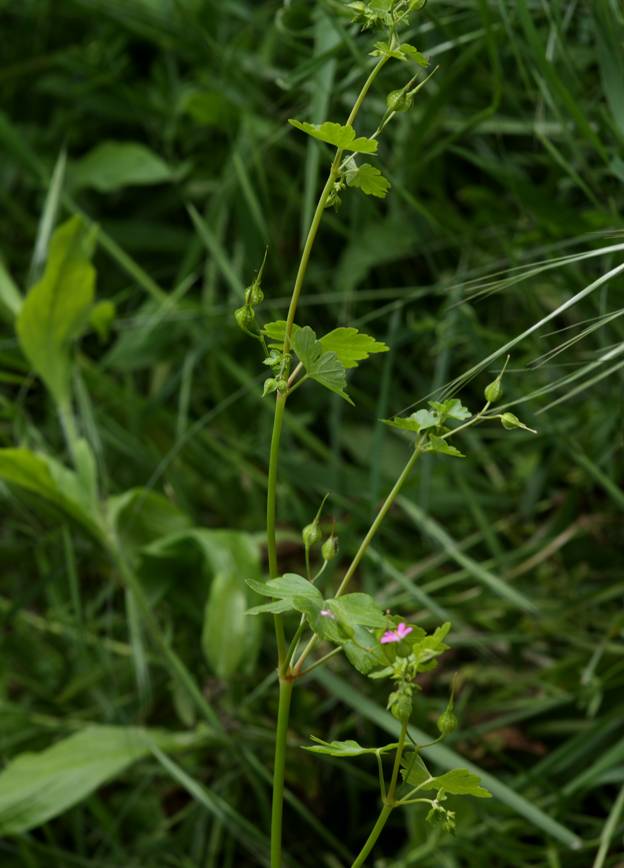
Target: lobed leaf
[[357, 610], [348, 748], [341, 136], [438, 444], [458, 782], [369, 180]]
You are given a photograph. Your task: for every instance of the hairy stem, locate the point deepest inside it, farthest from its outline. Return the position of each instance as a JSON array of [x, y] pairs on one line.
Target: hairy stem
[[280, 404], [385, 507], [388, 806], [283, 714], [278, 421]]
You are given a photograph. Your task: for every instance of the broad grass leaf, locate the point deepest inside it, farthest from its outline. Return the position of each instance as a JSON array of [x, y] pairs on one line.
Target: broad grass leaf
[[35, 787], [56, 308], [55, 484], [222, 559], [10, 296], [111, 166], [140, 516], [226, 627]]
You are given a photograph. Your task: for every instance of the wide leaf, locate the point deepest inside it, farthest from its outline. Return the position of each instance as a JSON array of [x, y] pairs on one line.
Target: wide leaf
[[35, 787], [56, 308]]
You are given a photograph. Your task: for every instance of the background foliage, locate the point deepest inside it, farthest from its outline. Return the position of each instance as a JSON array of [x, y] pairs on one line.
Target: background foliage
[[164, 122]]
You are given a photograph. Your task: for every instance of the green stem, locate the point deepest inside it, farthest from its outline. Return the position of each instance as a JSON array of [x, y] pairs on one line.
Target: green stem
[[281, 734], [372, 838], [280, 404], [388, 806], [278, 421], [320, 208], [385, 507]]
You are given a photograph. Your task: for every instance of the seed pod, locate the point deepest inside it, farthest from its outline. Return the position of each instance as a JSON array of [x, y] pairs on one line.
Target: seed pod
[[400, 704], [244, 317], [329, 549], [311, 534], [270, 385], [254, 294], [493, 390], [447, 722], [398, 101]]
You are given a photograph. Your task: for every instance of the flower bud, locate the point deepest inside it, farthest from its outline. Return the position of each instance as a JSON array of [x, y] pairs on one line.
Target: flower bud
[[244, 317], [398, 101], [311, 534], [329, 549]]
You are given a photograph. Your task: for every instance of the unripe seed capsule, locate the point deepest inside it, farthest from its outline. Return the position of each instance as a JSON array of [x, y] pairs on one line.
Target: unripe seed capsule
[[398, 101], [447, 722], [311, 534], [329, 549], [244, 317]]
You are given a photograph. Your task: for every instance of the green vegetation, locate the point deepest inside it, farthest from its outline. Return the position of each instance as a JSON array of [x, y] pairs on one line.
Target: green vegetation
[[152, 187]]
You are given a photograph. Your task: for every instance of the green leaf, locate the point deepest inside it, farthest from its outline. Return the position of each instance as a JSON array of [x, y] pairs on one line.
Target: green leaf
[[276, 331], [348, 748], [369, 180], [324, 367], [411, 53], [226, 631], [330, 373], [55, 484], [287, 587], [450, 409], [35, 787], [364, 651], [277, 607], [351, 346], [403, 52], [356, 610], [339, 135], [141, 516], [56, 308], [427, 648], [458, 782], [413, 769], [438, 444], [113, 165], [10, 296], [418, 421], [308, 349], [101, 319]]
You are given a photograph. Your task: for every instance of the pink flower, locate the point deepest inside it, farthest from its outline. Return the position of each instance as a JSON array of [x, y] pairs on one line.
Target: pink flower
[[396, 635], [327, 613]]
